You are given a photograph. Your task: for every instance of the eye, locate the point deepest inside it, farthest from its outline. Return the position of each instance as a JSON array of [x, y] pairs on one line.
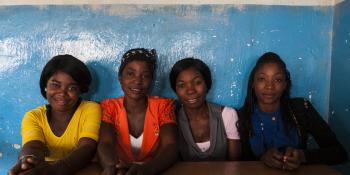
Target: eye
[[130, 74], [73, 88], [180, 85], [260, 79], [54, 85], [279, 79], [146, 76]]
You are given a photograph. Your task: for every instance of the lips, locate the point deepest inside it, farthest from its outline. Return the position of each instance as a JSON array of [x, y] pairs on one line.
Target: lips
[[136, 90], [268, 95], [193, 100], [61, 102]]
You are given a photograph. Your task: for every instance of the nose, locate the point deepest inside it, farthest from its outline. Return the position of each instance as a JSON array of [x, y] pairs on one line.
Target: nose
[[269, 84], [138, 79], [63, 90], [190, 89]]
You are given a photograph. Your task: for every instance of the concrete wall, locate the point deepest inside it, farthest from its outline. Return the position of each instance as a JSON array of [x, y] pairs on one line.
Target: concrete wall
[[229, 38], [340, 84]]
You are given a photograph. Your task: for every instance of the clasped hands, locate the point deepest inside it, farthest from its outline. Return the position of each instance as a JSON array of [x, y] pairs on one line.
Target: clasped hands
[[290, 160], [30, 165], [136, 168]]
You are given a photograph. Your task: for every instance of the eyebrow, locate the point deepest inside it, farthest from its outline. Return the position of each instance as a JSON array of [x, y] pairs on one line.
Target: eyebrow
[[278, 73], [197, 76], [73, 83], [132, 69]]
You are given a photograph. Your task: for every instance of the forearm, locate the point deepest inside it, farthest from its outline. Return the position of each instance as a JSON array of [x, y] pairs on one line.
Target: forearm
[[164, 158], [35, 149], [76, 160], [106, 155]]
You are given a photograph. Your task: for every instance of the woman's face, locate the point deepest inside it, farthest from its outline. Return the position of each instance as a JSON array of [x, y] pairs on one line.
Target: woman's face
[[62, 92], [191, 88], [136, 79], [269, 84]]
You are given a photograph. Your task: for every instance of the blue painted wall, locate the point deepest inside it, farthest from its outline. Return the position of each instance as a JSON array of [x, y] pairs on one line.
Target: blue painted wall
[[228, 38], [340, 84]]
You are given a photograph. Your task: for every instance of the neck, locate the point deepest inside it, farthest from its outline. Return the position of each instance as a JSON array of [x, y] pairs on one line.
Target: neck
[[269, 108], [132, 105], [62, 116], [196, 113]]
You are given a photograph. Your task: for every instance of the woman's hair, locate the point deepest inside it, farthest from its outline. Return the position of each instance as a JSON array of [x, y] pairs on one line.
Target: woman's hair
[[69, 65], [188, 63], [246, 112], [139, 54]]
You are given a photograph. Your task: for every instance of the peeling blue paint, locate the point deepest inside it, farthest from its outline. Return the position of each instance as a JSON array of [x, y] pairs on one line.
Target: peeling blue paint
[[227, 38]]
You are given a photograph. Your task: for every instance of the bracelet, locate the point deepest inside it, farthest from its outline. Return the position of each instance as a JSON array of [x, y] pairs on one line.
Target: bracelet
[[26, 156]]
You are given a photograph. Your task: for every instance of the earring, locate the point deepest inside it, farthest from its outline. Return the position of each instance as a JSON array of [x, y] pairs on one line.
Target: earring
[[45, 89]]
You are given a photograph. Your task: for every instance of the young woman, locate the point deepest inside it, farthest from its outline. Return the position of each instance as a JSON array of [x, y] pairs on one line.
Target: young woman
[[207, 131], [274, 127], [138, 131], [60, 137]]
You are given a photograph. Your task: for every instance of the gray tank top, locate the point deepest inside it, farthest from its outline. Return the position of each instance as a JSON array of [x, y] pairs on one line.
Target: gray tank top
[[218, 139]]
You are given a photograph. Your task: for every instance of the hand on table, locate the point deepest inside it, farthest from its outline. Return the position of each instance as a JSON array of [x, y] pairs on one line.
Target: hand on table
[[273, 158], [293, 158], [24, 164]]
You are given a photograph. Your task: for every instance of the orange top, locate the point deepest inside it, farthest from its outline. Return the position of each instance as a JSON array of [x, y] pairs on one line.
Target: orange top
[[159, 112]]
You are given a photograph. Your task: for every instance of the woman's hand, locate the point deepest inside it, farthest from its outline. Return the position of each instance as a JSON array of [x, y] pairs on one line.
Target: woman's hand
[[273, 158], [24, 164], [293, 158], [111, 170], [42, 168], [139, 169]]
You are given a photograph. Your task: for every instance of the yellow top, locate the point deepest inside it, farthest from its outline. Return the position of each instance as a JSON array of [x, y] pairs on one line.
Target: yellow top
[[84, 123]]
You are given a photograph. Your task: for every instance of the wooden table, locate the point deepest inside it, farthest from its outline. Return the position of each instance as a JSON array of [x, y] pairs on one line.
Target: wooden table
[[243, 168], [229, 168]]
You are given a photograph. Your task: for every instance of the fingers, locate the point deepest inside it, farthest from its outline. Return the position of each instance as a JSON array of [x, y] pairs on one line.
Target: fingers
[[273, 158], [15, 169], [22, 165], [121, 171], [132, 170], [289, 152], [32, 160], [28, 162], [136, 169], [291, 159]]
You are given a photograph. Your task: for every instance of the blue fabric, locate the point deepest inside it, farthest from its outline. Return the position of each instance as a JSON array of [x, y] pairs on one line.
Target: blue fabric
[[272, 135]]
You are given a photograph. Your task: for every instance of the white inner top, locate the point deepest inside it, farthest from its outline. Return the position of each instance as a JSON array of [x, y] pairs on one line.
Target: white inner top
[[136, 144]]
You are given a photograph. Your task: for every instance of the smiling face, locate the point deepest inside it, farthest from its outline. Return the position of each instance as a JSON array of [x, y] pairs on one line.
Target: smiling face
[[269, 85], [62, 92], [191, 88], [136, 79]]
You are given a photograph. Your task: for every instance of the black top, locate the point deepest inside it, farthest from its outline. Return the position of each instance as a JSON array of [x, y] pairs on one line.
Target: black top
[[309, 122]]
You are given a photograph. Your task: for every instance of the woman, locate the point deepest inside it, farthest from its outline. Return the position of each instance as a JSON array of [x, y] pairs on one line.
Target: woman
[[274, 127], [138, 131], [60, 137], [207, 131]]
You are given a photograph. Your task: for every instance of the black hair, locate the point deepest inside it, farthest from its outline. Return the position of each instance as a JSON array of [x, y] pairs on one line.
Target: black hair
[[69, 65], [245, 118], [139, 54], [188, 63]]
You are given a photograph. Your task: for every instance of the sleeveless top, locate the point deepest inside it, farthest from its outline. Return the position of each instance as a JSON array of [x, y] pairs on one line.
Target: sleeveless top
[[218, 140]]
